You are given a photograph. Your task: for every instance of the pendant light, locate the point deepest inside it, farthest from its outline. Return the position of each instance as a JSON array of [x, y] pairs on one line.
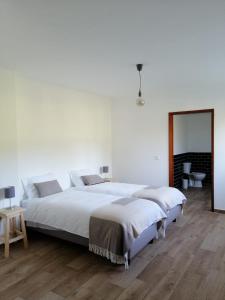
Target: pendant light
[[140, 101]]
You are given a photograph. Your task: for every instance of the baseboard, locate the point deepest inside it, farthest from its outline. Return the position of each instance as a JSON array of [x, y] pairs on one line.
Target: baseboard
[[220, 211]]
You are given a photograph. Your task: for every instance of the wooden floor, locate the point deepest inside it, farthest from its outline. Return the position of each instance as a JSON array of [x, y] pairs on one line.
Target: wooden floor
[[188, 264]]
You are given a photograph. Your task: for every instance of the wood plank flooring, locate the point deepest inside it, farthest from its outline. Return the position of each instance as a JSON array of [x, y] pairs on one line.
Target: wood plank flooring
[[188, 264]]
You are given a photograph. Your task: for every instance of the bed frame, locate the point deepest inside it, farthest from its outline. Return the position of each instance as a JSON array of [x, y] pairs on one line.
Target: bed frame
[[147, 236]]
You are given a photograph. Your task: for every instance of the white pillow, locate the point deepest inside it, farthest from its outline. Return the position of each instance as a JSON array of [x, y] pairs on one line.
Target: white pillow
[[75, 176], [28, 184]]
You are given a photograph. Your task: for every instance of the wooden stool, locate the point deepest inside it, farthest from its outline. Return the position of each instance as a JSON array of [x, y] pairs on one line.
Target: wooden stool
[[12, 233]]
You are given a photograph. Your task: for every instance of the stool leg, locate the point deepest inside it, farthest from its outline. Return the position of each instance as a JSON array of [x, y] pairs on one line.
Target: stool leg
[[23, 227], [7, 232], [14, 225]]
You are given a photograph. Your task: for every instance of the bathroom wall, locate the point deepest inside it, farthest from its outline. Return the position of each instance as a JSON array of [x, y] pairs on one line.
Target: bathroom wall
[[180, 134], [192, 142], [201, 162], [192, 133], [179, 159], [199, 132]]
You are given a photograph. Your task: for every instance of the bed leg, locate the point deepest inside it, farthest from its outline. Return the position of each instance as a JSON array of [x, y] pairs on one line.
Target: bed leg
[[157, 235], [126, 264], [163, 233], [163, 229]]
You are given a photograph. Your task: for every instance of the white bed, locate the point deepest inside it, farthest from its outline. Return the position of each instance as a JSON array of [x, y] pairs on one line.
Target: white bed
[[71, 210], [130, 190], [67, 215], [170, 199]]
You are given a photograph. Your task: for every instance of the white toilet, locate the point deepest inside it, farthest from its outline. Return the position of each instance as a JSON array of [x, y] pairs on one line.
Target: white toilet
[[195, 178]]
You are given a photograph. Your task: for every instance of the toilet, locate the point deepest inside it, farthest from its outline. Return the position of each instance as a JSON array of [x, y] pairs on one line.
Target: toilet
[[195, 178]]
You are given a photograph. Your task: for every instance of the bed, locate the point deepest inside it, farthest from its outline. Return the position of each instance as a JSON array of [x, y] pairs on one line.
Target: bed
[[93, 220], [171, 200]]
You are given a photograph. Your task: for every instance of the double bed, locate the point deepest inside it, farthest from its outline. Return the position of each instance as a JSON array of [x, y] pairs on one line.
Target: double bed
[[114, 220], [111, 226]]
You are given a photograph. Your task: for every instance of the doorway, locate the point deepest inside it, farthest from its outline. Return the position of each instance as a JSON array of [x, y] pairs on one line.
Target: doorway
[[172, 164]]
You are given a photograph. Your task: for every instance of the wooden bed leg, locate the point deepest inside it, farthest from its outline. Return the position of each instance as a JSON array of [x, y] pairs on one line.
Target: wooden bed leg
[[174, 221]]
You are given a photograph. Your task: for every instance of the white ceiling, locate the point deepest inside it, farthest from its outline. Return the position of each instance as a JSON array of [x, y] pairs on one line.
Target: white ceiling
[[93, 45]]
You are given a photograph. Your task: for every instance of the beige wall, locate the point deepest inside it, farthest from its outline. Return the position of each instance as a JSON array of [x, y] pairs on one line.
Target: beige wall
[[46, 128]]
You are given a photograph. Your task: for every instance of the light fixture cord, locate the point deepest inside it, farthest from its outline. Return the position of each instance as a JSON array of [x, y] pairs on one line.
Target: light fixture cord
[[139, 94]]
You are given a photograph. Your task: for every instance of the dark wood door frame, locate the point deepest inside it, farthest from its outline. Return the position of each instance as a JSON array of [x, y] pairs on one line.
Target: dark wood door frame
[[171, 145]]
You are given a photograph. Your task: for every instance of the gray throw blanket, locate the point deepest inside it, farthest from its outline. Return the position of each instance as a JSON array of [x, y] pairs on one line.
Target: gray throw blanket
[[114, 227], [109, 239]]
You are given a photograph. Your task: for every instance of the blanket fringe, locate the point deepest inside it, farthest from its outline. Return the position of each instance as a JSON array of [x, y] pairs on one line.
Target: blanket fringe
[[114, 258]]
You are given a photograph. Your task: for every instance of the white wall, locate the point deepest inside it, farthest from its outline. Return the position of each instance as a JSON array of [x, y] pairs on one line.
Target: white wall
[[47, 128], [141, 133], [140, 142], [60, 130], [8, 145], [192, 133]]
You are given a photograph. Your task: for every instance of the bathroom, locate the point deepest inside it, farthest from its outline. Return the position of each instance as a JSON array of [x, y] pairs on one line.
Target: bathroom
[[193, 151]]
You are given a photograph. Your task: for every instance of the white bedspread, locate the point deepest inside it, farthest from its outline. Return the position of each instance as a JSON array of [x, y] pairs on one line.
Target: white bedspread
[[71, 210], [112, 188], [169, 197]]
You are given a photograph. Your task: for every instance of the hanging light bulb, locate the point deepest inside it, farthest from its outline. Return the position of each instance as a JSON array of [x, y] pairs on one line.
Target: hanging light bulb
[[140, 101]]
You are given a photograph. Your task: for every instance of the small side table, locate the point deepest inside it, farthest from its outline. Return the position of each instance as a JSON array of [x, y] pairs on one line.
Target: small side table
[[12, 233]]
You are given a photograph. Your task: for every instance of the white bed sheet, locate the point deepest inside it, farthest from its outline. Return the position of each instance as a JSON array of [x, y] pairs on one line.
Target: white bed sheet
[[112, 188], [71, 210]]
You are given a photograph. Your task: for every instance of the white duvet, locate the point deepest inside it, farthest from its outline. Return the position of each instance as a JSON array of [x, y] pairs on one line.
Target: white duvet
[[167, 196], [71, 210]]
